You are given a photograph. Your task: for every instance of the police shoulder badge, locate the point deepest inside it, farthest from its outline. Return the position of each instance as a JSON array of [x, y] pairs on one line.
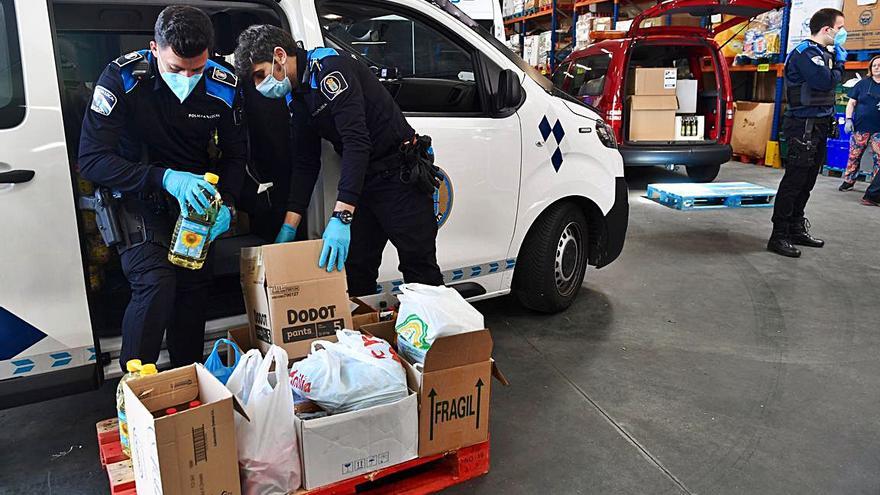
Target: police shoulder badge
[[103, 101], [333, 84], [128, 58], [224, 77]]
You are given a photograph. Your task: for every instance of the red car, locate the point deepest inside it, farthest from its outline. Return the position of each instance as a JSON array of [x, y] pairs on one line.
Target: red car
[[598, 75]]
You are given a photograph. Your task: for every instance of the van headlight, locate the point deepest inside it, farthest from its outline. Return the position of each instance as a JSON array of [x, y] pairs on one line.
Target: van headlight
[[606, 135]]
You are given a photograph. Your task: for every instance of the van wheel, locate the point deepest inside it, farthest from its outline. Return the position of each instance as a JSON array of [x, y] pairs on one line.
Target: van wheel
[[552, 260], [705, 173]]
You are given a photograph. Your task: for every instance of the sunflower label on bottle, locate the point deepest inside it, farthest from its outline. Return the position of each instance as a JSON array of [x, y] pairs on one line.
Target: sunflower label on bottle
[[190, 241]]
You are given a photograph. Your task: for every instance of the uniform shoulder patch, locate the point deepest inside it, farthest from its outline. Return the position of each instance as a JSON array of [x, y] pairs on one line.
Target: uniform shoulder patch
[[333, 84], [818, 60], [128, 58], [224, 77], [103, 101]]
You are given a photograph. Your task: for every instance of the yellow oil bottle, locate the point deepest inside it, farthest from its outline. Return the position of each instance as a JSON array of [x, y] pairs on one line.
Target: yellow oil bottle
[[189, 243]]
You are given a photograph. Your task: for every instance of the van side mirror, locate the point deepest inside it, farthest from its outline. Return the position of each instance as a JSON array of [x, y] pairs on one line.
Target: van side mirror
[[510, 91]]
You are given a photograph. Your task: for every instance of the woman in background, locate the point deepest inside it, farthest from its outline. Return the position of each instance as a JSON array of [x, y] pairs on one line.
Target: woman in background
[[863, 122]]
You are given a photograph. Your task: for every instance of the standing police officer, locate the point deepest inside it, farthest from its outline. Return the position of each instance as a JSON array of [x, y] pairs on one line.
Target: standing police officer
[[811, 74], [154, 116], [387, 170]]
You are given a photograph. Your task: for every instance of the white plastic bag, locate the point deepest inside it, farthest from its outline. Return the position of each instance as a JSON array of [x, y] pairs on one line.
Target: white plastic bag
[[357, 372], [268, 454], [427, 312]]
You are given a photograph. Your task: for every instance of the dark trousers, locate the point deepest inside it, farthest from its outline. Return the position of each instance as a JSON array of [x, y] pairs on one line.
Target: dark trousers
[[163, 297], [873, 191], [806, 155], [391, 210]]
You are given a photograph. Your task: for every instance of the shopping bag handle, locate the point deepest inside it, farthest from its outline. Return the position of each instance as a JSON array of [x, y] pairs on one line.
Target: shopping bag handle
[[231, 344]]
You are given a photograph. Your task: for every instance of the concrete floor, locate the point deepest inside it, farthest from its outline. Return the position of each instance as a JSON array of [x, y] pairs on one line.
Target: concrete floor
[[696, 363]]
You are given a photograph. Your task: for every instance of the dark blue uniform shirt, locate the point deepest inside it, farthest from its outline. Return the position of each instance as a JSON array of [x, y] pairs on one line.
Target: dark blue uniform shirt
[[811, 64], [137, 128], [866, 117], [342, 101]]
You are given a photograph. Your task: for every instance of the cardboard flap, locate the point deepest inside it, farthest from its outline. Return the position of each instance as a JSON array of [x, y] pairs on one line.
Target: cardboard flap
[[653, 102], [384, 330], [458, 350], [294, 261], [496, 372], [166, 389]]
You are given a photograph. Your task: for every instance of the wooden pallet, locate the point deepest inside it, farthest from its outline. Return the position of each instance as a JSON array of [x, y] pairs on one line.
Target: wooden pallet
[[827, 171], [689, 196], [749, 159], [419, 476]]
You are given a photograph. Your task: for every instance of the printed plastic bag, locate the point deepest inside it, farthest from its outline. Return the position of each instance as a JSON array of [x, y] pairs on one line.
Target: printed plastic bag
[[357, 372], [215, 365], [427, 312], [268, 453]]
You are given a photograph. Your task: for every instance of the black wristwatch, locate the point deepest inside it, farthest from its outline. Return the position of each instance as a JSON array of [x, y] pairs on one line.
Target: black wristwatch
[[344, 216]]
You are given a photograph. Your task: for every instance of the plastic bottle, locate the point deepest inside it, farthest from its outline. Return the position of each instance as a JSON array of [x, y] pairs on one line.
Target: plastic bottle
[[133, 368], [189, 244]]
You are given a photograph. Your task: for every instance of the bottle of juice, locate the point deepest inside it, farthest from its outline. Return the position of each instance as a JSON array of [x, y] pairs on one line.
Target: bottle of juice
[[133, 368], [189, 244]]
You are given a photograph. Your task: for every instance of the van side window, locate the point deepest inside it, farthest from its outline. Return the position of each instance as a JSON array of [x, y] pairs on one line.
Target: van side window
[[12, 106], [588, 75], [434, 74]]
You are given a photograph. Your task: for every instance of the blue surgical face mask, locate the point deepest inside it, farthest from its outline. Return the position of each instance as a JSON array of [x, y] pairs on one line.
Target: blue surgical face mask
[[179, 84], [840, 37], [273, 88]]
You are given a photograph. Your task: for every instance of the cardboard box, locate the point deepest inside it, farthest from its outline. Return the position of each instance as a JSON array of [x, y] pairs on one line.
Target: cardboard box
[[362, 313], [337, 447], [752, 123], [454, 388], [690, 127], [862, 24], [686, 92], [289, 300], [190, 452], [652, 118], [649, 81]]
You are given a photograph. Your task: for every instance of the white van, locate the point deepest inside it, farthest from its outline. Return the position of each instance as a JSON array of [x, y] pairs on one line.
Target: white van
[[535, 188], [487, 13]]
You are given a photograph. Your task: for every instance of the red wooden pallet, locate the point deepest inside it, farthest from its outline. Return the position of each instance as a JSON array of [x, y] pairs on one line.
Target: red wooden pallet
[[749, 159], [419, 476]]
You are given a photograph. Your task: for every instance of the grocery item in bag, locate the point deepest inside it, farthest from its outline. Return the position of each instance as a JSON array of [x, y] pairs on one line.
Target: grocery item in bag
[[268, 452], [427, 312], [357, 372]]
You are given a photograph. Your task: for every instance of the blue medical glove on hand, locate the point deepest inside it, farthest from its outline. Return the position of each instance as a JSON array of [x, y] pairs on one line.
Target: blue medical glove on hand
[[840, 53], [337, 237], [286, 234], [188, 189], [221, 224]]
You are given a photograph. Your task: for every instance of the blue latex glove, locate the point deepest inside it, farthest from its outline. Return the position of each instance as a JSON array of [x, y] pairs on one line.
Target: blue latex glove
[[840, 53], [221, 224], [337, 237], [286, 234], [188, 189]]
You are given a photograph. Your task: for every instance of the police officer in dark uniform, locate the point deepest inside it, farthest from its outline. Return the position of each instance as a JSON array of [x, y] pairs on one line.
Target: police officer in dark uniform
[[811, 74], [154, 117], [387, 170]]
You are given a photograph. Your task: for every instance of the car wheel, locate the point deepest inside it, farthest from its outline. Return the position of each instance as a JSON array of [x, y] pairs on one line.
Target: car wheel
[[706, 173], [553, 260]]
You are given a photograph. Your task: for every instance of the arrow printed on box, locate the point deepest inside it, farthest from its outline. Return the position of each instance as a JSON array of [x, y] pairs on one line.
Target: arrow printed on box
[[479, 399], [432, 395]]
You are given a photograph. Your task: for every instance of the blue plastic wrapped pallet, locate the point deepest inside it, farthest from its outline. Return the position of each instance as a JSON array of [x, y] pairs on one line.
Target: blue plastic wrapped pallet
[[838, 153]]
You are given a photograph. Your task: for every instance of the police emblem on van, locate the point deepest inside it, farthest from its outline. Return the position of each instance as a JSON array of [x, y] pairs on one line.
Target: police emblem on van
[[333, 84], [443, 196]]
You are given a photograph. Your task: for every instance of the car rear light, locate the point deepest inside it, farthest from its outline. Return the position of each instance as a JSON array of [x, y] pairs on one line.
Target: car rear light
[[613, 115], [729, 114]]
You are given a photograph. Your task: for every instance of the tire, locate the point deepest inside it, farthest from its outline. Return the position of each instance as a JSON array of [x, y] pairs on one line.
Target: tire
[[705, 173], [553, 260]]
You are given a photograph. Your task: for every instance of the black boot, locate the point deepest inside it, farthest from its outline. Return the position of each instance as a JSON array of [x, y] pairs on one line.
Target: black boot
[[799, 233], [779, 242]]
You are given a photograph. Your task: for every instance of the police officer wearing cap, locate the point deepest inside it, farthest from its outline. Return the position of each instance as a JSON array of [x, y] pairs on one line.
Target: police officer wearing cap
[[387, 176], [812, 72], [155, 116]]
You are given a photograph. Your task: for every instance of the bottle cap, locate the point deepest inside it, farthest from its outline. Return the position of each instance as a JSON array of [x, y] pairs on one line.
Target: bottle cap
[[195, 403], [170, 410], [212, 178], [133, 365], [149, 369]]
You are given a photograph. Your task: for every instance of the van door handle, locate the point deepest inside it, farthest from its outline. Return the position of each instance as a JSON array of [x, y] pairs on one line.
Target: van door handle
[[16, 176]]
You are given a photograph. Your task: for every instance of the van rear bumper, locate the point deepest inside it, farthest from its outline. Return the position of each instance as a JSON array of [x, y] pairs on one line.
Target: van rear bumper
[[690, 155], [609, 245]]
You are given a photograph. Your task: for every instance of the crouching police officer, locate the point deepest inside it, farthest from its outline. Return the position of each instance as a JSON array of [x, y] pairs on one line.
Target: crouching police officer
[[387, 170], [154, 115], [811, 74]]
